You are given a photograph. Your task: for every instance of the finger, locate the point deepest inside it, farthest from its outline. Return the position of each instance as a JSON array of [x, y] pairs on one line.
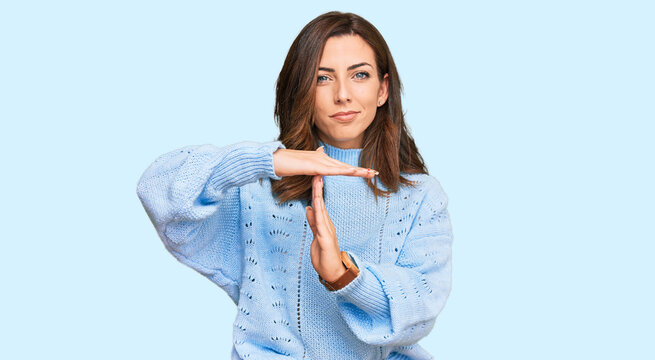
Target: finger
[[317, 194], [321, 149], [336, 167], [325, 220], [361, 172], [349, 170], [346, 168], [317, 199], [322, 217]]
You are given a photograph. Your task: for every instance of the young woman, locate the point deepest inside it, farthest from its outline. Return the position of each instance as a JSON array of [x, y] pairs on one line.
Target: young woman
[[324, 257]]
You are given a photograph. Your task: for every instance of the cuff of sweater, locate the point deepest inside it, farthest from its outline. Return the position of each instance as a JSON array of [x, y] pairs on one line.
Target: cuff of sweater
[[365, 292], [247, 161], [268, 149]]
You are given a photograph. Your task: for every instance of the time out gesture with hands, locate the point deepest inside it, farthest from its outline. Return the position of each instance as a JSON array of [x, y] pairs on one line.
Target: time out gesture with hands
[[325, 253]]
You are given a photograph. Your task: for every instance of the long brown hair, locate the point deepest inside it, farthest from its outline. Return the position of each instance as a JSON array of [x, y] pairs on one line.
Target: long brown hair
[[387, 145]]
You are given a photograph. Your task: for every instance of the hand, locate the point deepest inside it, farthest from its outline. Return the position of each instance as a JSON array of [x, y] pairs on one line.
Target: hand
[[325, 253], [299, 162]]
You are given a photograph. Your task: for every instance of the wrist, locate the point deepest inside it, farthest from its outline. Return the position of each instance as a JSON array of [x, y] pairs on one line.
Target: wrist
[[352, 271], [331, 276], [276, 161]]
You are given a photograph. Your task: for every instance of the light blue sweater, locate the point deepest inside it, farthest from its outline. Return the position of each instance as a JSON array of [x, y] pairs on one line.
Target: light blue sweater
[[214, 216]]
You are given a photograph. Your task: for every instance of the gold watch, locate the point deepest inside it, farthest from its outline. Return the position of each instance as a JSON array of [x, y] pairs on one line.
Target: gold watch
[[351, 273]]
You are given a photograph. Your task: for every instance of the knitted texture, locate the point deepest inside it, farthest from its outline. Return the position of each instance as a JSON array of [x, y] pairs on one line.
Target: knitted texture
[[213, 215]]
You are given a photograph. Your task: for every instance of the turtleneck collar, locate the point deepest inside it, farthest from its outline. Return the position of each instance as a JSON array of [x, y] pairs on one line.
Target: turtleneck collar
[[348, 156]]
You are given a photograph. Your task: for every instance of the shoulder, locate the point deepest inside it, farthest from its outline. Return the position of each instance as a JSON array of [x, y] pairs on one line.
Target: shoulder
[[429, 189], [431, 217]]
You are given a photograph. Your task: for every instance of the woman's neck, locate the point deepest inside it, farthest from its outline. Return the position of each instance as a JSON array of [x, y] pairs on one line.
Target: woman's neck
[[348, 156]]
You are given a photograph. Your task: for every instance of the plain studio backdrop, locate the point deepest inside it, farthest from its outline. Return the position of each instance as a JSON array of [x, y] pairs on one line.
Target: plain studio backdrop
[[537, 118]]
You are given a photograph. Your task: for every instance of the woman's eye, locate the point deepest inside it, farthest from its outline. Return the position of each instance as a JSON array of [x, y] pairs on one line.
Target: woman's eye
[[362, 75], [321, 78]]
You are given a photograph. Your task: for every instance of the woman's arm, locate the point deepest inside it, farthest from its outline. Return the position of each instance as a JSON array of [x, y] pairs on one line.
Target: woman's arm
[[397, 304], [192, 198], [191, 195]]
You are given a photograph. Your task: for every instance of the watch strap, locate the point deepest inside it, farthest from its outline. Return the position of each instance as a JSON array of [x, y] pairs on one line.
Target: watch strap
[[351, 273]]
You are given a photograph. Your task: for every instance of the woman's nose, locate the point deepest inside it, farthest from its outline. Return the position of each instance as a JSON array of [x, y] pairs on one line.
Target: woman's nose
[[342, 92]]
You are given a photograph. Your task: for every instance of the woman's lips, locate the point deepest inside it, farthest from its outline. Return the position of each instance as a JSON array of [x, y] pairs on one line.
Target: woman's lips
[[345, 116]]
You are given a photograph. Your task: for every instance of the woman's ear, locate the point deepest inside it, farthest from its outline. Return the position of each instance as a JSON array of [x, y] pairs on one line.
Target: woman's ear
[[383, 94]]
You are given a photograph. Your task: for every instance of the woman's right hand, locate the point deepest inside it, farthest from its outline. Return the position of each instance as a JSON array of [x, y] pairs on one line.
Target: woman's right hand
[[287, 162]]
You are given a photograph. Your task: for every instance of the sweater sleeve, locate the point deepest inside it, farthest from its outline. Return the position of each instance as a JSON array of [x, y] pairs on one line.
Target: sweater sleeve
[[192, 197], [397, 304]]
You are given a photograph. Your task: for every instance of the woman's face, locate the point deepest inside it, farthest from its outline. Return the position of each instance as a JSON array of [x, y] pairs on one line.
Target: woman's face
[[348, 91]]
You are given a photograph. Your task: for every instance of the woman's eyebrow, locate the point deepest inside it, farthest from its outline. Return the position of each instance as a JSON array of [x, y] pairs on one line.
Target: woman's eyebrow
[[349, 67]]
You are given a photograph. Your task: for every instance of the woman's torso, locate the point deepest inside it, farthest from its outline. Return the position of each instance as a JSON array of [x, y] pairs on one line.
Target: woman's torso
[[283, 308]]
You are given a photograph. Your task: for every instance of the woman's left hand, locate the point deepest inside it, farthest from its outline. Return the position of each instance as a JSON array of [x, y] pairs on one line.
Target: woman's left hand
[[325, 253]]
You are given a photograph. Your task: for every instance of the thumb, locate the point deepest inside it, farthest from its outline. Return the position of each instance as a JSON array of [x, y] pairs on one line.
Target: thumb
[[321, 149]]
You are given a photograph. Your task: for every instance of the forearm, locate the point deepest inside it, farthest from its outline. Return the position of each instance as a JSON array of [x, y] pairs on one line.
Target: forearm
[[392, 305], [187, 184]]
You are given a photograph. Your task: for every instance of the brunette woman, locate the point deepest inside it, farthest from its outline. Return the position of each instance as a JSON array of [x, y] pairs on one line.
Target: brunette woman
[[333, 241]]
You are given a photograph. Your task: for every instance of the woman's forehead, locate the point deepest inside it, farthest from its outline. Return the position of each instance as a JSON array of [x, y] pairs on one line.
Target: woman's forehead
[[344, 51]]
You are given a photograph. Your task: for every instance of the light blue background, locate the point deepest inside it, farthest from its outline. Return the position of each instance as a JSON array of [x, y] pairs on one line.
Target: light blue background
[[535, 116]]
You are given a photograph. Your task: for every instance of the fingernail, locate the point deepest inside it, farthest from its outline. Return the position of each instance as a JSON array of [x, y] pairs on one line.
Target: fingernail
[[374, 171]]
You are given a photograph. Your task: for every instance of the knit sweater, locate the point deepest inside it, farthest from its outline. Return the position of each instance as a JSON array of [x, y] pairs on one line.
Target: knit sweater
[[214, 211]]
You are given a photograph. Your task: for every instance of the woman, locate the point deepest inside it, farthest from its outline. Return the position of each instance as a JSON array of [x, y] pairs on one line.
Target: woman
[[324, 257]]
